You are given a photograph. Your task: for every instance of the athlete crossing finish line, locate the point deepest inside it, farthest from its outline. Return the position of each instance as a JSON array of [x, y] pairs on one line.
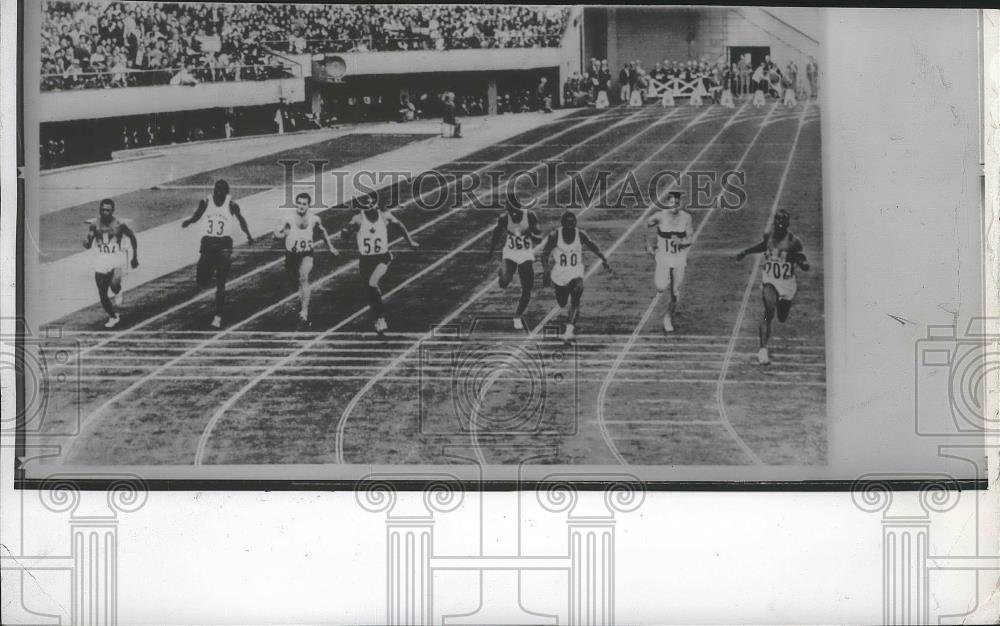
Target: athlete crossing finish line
[[782, 254], [216, 253], [566, 274], [370, 228], [105, 237], [299, 233], [521, 228], [670, 248]]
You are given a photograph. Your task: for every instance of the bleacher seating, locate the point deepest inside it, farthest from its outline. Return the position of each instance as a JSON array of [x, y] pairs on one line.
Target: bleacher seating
[[114, 43]]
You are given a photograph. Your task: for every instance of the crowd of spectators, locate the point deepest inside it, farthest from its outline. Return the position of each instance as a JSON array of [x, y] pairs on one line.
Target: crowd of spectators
[[514, 98], [119, 44], [381, 27], [741, 79], [89, 44]]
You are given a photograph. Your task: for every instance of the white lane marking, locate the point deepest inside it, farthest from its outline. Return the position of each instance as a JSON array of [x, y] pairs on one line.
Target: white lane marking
[[647, 314], [719, 397]]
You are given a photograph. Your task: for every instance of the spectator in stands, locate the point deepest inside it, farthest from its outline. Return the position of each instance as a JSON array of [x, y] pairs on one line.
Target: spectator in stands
[[792, 75], [638, 88], [198, 35], [604, 76], [119, 71], [758, 77], [658, 74], [569, 91], [407, 112], [624, 80], [543, 100], [449, 116], [812, 76], [184, 77]]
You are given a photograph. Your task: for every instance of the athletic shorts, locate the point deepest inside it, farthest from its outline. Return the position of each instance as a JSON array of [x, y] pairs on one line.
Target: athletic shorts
[[216, 257], [210, 245], [294, 259], [786, 288], [107, 263], [518, 256], [563, 292], [671, 259]]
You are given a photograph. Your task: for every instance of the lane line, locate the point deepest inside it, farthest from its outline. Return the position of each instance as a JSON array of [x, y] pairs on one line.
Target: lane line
[[488, 286], [296, 377], [719, 389], [218, 414], [647, 314]]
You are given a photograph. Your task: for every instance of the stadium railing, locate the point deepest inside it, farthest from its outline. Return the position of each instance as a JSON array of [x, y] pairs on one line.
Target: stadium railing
[[154, 77], [411, 42]]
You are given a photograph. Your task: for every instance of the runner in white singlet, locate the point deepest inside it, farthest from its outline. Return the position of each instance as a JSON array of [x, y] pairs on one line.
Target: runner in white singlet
[[299, 233], [565, 246], [519, 229]]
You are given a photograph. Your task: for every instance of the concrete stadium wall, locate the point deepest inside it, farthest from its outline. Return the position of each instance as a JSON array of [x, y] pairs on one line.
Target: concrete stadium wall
[[683, 33], [485, 60], [59, 106]]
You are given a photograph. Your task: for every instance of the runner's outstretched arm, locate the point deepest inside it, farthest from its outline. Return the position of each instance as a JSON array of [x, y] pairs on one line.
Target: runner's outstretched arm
[[497, 235], [125, 230], [235, 210], [760, 247], [550, 245], [326, 238], [202, 205], [585, 240]]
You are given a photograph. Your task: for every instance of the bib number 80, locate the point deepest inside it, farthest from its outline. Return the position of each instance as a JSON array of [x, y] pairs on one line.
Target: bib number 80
[[568, 260]]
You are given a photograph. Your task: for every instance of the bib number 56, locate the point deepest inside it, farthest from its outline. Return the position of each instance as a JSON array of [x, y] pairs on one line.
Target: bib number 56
[[371, 246]]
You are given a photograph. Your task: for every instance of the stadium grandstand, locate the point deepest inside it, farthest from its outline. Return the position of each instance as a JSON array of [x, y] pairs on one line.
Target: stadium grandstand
[[120, 44]]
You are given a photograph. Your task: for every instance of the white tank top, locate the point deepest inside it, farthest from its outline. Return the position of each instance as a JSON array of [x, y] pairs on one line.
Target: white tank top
[[373, 237], [777, 268], [671, 229], [568, 259], [109, 248], [107, 241], [519, 245], [218, 219], [299, 239]]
